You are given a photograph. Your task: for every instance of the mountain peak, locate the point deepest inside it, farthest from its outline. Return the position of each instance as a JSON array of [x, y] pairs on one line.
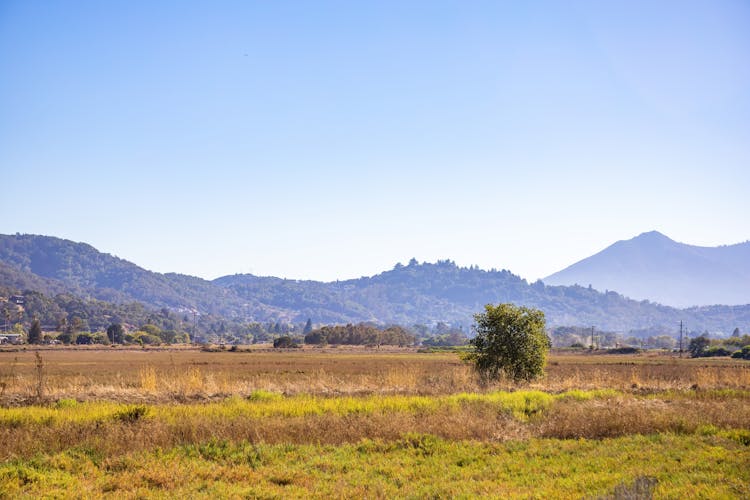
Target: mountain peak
[[655, 267], [652, 235]]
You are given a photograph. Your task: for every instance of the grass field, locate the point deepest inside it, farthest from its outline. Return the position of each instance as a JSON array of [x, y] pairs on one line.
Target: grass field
[[362, 423]]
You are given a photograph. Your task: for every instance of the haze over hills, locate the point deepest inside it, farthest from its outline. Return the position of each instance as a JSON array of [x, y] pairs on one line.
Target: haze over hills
[[652, 266], [407, 294]]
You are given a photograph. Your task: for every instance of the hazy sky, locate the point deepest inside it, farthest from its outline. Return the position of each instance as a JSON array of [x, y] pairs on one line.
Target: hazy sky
[[332, 140]]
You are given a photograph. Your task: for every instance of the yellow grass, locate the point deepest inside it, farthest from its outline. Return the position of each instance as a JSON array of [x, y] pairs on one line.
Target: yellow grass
[[163, 375]]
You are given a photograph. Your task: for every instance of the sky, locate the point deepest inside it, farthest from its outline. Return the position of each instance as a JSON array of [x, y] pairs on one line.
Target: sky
[[332, 140]]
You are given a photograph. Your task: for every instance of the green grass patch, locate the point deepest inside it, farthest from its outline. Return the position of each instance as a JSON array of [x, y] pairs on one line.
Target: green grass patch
[[708, 466], [261, 404]]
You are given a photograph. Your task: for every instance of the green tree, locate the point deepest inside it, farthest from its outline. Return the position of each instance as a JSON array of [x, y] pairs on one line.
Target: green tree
[[308, 327], [35, 332], [116, 333], [284, 342], [151, 329], [698, 346], [510, 341], [84, 338]]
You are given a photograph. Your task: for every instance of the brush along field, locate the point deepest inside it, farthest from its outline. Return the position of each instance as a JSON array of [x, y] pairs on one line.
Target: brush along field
[[363, 423]]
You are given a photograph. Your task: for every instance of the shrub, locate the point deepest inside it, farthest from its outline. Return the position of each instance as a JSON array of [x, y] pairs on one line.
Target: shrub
[[131, 414], [285, 342], [66, 338], [261, 395], [743, 353], [66, 403], [149, 339], [623, 350], [84, 339], [716, 350]]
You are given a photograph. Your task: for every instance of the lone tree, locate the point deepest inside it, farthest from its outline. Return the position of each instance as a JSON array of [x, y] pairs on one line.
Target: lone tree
[[510, 341], [35, 332], [698, 346]]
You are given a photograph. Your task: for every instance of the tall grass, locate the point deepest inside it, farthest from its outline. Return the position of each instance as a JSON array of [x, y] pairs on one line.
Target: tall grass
[[274, 418], [182, 376]]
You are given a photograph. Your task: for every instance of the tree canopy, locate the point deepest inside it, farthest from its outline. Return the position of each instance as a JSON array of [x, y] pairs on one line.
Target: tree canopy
[[510, 341]]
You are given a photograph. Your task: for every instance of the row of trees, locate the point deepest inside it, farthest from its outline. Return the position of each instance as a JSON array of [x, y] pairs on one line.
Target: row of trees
[[737, 346], [116, 333], [360, 334]]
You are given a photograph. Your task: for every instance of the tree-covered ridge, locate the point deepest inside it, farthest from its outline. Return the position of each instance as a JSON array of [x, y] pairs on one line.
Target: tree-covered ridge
[[80, 269], [426, 293], [417, 293]]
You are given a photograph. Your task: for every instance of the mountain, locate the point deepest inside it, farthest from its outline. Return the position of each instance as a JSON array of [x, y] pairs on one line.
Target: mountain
[[416, 293], [81, 270], [654, 267]]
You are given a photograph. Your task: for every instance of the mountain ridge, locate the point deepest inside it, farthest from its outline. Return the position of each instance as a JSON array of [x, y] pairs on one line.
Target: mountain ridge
[[423, 293], [652, 266]]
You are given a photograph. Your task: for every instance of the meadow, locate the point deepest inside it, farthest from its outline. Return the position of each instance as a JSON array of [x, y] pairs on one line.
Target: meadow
[[179, 422]]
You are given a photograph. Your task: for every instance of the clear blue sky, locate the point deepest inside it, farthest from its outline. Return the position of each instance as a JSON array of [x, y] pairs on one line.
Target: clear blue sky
[[331, 140]]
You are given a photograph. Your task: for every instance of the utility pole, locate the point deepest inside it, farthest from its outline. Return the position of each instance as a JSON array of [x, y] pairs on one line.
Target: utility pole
[[680, 338], [592, 338], [195, 313]]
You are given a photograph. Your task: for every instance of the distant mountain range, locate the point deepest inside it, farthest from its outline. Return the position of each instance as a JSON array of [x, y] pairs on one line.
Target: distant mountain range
[[652, 266], [416, 293]]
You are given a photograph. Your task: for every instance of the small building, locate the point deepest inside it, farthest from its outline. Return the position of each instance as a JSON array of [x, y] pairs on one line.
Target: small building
[[17, 299]]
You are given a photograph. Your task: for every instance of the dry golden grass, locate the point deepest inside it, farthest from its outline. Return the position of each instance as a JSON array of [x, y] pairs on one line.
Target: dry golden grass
[[179, 375], [596, 419], [112, 428]]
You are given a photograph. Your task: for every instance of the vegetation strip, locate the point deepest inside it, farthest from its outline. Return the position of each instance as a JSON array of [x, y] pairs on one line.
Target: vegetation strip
[[520, 404], [273, 418], [715, 465]]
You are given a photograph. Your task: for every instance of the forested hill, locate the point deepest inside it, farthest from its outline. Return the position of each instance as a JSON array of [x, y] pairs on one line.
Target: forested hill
[[424, 293], [415, 293], [81, 270]]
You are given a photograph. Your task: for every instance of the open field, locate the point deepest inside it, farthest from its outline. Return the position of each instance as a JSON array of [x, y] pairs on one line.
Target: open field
[[159, 375], [354, 422]]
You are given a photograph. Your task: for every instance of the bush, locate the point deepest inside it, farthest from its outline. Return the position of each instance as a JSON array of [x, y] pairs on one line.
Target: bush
[[623, 350], [285, 342], [84, 339], [131, 414], [66, 338], [743, 353], [716, 350], [147, 338]]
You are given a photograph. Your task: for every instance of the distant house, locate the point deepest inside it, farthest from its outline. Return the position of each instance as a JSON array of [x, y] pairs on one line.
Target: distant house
[[17, 299], [11, 338]]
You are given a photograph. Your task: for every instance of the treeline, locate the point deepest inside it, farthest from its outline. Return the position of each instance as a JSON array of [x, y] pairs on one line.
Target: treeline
[[72, 319], [360, 334], [584, 337], [736, 346]]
